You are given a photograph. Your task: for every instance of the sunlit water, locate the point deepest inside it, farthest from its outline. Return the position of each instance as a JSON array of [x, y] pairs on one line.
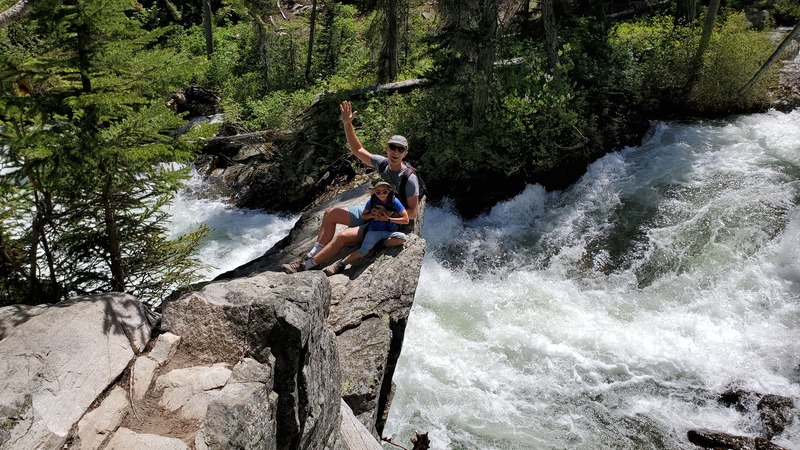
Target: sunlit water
[[606, 316], [236, 236]]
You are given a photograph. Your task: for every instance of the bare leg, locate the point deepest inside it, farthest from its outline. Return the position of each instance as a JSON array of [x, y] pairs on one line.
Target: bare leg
[[352, 257], [332, 217], [348, 236]]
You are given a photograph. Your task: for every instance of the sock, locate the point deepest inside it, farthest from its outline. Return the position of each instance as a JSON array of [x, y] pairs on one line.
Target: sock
[[315, 249], [309, 263]]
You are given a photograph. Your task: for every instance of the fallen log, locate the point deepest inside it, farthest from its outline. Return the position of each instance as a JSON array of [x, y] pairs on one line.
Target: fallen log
[[15, 12]]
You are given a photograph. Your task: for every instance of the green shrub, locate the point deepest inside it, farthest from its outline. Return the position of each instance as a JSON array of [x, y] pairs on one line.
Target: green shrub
[[533, 123], [734, 55], [786, 12], [653, 57], [278, 110]]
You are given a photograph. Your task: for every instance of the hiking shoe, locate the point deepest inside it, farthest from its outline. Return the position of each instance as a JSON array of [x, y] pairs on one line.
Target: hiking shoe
[[294, 267], [334, 268]]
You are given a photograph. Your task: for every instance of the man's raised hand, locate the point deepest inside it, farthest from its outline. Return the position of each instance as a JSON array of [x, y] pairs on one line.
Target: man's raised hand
[[347, 112]]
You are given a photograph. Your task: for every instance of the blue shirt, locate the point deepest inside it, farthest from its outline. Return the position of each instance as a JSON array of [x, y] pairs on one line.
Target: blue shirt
[[377, 225]]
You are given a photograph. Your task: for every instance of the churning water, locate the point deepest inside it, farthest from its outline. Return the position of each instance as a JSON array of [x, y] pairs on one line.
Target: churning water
[[612, 315], [236, 236], [607, 316]]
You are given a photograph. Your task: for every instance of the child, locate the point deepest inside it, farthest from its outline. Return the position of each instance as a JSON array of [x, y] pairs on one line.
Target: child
[[384, 213]]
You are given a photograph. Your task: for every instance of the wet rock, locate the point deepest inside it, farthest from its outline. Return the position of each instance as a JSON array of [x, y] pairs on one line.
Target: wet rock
[[261, 170], [774, 411], [719, 440], [196, 101]]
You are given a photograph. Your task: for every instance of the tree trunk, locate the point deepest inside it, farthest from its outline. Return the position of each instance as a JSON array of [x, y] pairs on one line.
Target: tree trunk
[[311, 40], [487, 30], [551, 34], [705, 38], [112, 234], [263, 44], [34, 287], [387, 61], [685, 12], [207, 27], [526, 8]]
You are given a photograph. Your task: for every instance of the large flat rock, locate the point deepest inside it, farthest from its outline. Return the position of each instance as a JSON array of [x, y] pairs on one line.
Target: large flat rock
[[57, 359]]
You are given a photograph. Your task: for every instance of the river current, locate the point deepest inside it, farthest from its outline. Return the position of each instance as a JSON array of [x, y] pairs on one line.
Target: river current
[[610, 315]]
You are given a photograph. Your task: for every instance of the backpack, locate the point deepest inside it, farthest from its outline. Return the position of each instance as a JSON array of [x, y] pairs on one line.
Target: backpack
[[408, 170]]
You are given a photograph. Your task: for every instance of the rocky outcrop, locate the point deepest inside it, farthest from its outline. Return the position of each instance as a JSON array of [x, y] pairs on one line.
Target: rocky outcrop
[[254, 359], [279, 321], [787, 93], [195, 101], [57, 361], [268, 170], [370, 303], [718, 440]]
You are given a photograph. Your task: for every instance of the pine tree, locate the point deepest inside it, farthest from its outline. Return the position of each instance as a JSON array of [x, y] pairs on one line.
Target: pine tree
[[91, 141]]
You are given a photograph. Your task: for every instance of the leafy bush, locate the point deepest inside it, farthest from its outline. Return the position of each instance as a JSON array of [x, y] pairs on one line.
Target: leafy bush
[[786, 12], [734, 55], [652, 57], [540, 119], [533, 124], [655, 61], [278, 110]]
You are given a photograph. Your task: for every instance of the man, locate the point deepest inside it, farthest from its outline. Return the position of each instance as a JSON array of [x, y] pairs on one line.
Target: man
[[327, 246]]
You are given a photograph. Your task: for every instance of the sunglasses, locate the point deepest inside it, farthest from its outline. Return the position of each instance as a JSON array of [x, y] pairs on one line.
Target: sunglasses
[[382, 192], [397, 148]]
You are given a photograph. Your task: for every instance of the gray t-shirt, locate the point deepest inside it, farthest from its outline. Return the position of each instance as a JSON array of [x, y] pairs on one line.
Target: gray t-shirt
[[412, 185]]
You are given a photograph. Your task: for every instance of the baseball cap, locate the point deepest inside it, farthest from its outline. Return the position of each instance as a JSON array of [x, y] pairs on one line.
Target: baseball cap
[[399, 140]]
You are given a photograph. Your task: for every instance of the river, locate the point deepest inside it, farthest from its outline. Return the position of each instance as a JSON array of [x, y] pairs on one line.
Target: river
[[610, 315]]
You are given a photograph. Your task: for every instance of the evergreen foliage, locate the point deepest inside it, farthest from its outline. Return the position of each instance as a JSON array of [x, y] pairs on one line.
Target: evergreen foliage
[[91, 141]]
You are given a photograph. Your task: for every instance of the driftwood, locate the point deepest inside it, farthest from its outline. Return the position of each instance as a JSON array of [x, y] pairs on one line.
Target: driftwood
[[421, 442], [239, 140], [13, 13], [400, 87], [389, 88], [355, 435], [637, 9], [281, 10]]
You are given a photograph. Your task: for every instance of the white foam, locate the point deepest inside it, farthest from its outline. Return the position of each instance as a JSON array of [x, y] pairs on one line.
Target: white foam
[[236, 236], [611, 315]]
